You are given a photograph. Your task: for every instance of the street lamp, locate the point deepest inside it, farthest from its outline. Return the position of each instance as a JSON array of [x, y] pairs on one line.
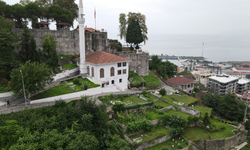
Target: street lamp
[[23, 88]]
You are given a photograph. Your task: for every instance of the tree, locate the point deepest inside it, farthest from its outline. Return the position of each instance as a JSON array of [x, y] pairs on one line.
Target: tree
[[177, 124], [33, 11], [134, 33], [69, 5], [125, 22], [118, 144], [163, 91], [59, 14], [35, 77], [25, 43], [49, 45], [33, 55], [19, 13], [53, 60], [206, 120]]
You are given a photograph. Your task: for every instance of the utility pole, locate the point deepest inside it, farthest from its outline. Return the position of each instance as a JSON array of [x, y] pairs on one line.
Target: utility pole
[[23, 88]]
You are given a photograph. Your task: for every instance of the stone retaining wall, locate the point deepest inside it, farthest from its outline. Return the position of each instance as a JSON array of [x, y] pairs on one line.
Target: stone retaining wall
[[153, 142]]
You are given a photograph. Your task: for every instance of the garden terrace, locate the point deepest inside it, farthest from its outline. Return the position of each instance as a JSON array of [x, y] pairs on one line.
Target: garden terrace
[[161, 104], [202, 109], [178, 144], [181, 99], [157, 114], [65, 88], [198, 133], [70, 66], [151, 80], [148, 136]]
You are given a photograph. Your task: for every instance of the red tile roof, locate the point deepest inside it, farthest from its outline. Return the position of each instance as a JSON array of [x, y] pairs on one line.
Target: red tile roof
[[180, 81], [9, 20], [242, 68], [101, 57], [89, 30], [43, 22], [245, 64], [63, 23]]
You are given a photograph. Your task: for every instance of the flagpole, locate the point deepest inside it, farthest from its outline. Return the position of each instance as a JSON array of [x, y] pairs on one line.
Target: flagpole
[[95, 18]]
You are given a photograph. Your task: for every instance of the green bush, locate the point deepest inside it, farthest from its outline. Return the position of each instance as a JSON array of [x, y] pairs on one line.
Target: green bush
[[139, 125], [163, 91], [85, 87], [76, 81], [119, 108]]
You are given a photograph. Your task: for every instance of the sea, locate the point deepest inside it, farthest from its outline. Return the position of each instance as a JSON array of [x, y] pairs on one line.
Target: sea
[[216, 48]]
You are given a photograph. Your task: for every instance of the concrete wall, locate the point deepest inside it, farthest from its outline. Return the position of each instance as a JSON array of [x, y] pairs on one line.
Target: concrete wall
[[68, 41], [140, 62]]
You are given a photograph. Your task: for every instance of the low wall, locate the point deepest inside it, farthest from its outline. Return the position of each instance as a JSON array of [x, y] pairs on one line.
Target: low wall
[[190, 111], [153, 142], [219, 144], [7, 96]]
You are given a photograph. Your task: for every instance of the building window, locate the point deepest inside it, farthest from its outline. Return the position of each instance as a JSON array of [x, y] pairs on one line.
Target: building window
[[102, 73], [92, 71], [124, 64], [119, 64], [113, 82], [88, 70], [120, 80], [124, 71], [119, 72], [112, 71]]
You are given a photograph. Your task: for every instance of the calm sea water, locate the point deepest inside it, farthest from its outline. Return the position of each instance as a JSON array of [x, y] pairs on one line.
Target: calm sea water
[[216, 47]]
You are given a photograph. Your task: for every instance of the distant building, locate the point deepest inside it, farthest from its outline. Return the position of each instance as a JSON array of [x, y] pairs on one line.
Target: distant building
[[242, 86], [222, 84], [202, 76], [182, 83], [245, 65]]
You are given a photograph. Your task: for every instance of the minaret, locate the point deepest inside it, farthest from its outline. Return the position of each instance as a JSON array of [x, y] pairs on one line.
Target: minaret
[[81, 21]]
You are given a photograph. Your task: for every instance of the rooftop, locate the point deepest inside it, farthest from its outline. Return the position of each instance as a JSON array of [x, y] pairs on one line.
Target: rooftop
[[223, 78], [242, 68], [242, 81], [180, 80], [101, 57]]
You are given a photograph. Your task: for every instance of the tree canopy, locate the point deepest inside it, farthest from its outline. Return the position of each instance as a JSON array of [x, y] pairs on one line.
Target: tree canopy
[[134, 35], [124, 22], [35, 77]]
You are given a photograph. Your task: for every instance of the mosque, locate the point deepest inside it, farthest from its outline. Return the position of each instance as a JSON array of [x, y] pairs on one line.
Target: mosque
[[101, 67]]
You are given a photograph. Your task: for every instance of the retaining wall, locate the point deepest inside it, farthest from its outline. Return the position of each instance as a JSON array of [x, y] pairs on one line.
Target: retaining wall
[[68, 41]]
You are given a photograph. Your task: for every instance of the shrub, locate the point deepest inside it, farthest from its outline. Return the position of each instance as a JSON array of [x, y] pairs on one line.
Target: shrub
[[139, 125], [119, 108], [60, 103], [121, 97], [85, 87], [76, 81], [144, 92], [143, 84], [163, 91]]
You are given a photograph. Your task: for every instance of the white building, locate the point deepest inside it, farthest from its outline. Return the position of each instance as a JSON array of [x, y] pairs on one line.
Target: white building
[[202, 76], [108, 69], [242, 86], [222, 84]]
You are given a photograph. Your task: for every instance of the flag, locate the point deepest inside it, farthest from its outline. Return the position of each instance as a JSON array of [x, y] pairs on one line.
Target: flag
[[94, 14]]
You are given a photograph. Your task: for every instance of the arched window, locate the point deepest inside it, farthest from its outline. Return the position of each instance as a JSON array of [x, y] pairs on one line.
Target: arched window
[[112, 71], [102, 73], [92, 71], [87, 70]]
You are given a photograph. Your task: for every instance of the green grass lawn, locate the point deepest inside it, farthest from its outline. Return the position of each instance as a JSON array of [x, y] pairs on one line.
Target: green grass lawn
[[151, 135], [178, 144], [202, 109], [133, 99], [178, 98], [70, 66], [197, 133], [156, 114], [152, 80], [135, 77], [151, 97], [65, 89], [160, 103]]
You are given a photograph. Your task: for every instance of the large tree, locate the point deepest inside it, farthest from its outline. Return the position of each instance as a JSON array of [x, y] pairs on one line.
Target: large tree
[[49, 48], [35, 77], [60, 14], [124, 22], [134, 35]]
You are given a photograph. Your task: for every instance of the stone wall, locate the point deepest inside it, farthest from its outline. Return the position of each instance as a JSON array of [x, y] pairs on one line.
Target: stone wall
[[140, 62], [153, 142], [219, 144], [68, 41]]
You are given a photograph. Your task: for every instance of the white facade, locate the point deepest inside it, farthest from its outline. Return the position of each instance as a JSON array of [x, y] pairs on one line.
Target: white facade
[[118, 79]]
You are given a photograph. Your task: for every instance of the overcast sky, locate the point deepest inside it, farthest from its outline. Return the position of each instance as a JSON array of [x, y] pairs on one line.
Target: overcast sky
[[171, 16]]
